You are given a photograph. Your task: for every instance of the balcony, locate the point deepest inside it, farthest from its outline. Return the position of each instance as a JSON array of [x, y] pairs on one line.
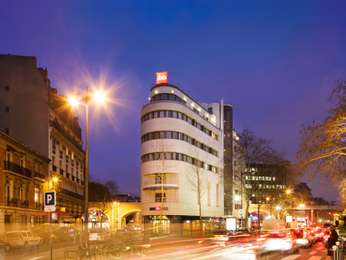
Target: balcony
[[13, 167], [39, 175], [159, 186], [38, 206], [14, 202], [72, 194]]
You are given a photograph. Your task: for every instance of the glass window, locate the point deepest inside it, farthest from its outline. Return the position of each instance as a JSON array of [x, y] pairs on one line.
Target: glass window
[[169, 134], [175, 135], [160, 197], [156, 135]]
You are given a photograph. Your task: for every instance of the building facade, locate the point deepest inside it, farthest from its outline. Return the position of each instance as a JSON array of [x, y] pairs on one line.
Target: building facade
[[181, 156], [228, 160], [238, 189], [266, 182], [22, 182], [24, 101], [234, 166], [33, 113], [66, 158]]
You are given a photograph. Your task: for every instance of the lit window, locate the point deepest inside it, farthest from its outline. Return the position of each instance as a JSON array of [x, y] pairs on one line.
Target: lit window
[[36, 195]]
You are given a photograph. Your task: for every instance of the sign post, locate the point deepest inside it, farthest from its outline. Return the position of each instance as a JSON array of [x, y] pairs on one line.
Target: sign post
[[50, 201], [50, 206]]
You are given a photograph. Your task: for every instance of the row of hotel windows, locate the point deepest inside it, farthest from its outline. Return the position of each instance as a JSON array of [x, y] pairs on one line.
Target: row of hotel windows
[[260, 178], [173, 97], [178, 157], [179, 136], [162, 197], [265, 186], [178, 115]]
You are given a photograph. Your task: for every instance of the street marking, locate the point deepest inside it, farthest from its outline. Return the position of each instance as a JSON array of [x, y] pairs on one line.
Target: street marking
[[315, 257], [291, 257]]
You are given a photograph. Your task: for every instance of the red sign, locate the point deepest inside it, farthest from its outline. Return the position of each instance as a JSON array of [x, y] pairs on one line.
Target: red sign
[[161, 77]]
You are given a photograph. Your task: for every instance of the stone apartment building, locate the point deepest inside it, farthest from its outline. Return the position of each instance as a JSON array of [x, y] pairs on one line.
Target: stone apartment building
[[22, 178], [66, 158], [33, 113]]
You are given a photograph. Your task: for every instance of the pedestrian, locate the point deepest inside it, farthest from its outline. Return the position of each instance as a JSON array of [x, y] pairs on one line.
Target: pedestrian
[[333, 238]]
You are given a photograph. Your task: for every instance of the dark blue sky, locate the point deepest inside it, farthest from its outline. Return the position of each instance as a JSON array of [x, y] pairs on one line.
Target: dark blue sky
[[275, 61]]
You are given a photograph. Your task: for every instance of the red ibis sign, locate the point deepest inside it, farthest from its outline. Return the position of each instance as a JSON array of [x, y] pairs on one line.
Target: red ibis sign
[[161, 77]]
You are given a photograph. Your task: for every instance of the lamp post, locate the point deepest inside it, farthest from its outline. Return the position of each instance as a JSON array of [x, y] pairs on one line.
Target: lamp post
[[98, 97]]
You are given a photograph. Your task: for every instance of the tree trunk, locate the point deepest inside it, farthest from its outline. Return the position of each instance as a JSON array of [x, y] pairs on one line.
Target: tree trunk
[[199, 196], [247, 213]]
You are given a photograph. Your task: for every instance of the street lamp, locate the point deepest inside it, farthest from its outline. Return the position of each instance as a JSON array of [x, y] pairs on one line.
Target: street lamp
[[278, 208], [301, 205], [98, 97], [288, 191]]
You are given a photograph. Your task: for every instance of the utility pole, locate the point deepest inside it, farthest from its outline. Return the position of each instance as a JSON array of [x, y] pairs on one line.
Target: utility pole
[[258, 217]]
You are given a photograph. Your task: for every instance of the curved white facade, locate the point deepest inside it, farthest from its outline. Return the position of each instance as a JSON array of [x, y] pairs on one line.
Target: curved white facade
[[181, 155]]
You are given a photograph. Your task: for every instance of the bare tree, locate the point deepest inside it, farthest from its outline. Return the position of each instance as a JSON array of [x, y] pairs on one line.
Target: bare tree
[[195, 182], [322, 146], [256, 150], [112, 187]]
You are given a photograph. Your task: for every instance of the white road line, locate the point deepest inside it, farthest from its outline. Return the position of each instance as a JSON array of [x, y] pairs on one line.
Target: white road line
[[313, 252], [315, 257], [291, 257]]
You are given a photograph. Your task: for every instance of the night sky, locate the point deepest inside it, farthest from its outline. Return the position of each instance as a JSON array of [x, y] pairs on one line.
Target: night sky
[[275, 61]]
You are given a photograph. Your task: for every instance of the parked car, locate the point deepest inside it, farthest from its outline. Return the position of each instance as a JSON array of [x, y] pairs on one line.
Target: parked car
[[17, 239]]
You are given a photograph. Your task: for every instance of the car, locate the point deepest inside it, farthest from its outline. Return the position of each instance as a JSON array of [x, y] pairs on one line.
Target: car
[[17, 239], [222, 237]]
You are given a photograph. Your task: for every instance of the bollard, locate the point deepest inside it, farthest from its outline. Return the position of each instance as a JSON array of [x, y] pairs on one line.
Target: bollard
[[335, 253], [338, 251]]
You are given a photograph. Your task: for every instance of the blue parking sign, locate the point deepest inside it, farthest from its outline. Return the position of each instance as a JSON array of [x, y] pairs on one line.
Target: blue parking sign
[[50, 198]]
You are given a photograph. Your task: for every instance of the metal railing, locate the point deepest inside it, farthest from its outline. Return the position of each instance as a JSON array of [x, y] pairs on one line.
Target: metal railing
[[13, 167], [339, 250]]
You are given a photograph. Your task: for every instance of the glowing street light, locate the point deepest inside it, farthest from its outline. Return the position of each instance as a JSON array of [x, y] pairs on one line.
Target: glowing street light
[[301, 205], [73, 101], [55, 179], [98, 97], [288, 191], [267, 199], [278, 208]]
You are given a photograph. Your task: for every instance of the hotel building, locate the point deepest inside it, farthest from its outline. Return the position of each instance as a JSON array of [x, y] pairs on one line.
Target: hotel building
[[181, 156]]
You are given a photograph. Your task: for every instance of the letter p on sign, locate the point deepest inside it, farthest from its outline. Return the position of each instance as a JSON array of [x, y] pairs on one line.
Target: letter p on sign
[[49, 198]]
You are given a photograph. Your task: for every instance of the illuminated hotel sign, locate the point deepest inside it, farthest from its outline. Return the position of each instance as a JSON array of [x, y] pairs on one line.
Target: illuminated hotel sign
[[161, 77]]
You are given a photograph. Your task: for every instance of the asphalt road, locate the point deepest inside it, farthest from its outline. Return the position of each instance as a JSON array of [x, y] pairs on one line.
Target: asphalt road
[[189, 249]]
